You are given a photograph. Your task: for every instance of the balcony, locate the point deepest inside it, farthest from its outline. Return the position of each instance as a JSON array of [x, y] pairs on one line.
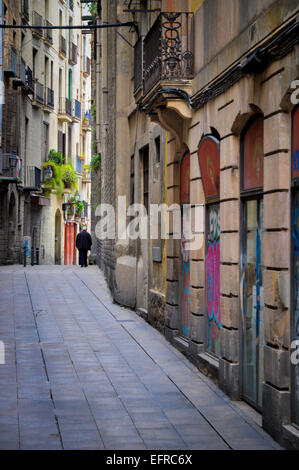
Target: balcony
[[62, 47], [33, 178], [20, 80], [65, 110], [25, 11], [39, 95], [73, 52], [167, 55], [37, 20], [138, 72], [10, 167], [76, 110], [48, 37], [28, 89], [86, 66], [49, 100], [10, 62]]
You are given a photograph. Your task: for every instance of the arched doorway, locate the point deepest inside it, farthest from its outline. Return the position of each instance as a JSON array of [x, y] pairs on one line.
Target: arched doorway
[[58, 237], [209, 162]]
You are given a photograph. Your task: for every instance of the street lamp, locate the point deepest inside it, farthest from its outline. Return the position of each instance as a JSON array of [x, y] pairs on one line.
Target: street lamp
[[48, 173]]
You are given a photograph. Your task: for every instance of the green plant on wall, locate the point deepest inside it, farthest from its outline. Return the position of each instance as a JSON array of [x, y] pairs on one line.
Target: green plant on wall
[[92, 6], [95, 162], [55, 157], [80, 207], [56, 182]]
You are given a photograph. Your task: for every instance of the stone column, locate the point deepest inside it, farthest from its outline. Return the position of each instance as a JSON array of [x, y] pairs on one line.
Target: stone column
[[229, 267], [276, 260]]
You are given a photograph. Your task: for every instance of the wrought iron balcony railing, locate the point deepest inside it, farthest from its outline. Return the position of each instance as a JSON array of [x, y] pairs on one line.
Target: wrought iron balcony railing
[[49, 97], [168, 50], [37, 20], [10, 166], [77, 109], [39, 92], [10, 61], [48, 33], [33, 178], [86, 65], [73, 52], [62, 45], [29, 84], [138, 72], [25, 9], [22, 72], [65, 106]]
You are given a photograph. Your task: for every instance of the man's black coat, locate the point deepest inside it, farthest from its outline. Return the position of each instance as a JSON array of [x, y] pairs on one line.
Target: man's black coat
[[83, 240]]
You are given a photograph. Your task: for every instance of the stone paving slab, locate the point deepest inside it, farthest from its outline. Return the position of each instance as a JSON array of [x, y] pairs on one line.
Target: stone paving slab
[[84, 373]]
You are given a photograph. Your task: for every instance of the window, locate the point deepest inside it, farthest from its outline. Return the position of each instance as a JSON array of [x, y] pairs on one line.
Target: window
[[132, 181], [158, 149], [252, 164], [209, 162], [144, 154]]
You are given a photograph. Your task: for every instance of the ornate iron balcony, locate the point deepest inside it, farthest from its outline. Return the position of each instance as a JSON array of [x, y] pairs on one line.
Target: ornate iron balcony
[[86, 65], [73, 52], [39, 93], [62, 45], [33, 178], [76, 109], [37, 20], [49, 97], [168, 50], [48, 33], [10, 166], [10, 61], [138, 65]]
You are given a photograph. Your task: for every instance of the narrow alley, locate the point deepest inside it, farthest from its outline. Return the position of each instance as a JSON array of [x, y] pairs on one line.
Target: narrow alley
[[81, 372]]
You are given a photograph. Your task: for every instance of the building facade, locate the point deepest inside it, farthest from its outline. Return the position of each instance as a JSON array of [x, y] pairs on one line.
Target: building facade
[[46, 75], [198, 107]]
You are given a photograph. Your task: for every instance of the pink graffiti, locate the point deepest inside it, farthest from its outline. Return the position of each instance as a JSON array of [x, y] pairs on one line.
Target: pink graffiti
[[213, 282]]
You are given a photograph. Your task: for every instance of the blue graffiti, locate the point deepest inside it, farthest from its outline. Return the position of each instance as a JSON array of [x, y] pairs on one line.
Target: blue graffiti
[[296, 160], [26, 246], [295, 233]]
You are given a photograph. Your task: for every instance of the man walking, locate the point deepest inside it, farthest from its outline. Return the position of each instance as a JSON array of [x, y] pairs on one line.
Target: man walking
[[83, 244]]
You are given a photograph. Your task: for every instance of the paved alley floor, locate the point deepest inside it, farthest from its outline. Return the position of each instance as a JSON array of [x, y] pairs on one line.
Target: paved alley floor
[[83, 373]]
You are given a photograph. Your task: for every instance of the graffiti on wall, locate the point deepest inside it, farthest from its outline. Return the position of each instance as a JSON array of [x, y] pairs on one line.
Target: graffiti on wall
[[295, 145], [295, 235], [185, 255], [213, 280]]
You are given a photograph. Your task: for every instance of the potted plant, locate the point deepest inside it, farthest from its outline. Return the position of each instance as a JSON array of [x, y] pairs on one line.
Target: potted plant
[[69, 177], [81, 156]]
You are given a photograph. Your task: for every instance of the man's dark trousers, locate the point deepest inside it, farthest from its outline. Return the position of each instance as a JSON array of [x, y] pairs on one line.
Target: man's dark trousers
[[83, 257]]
